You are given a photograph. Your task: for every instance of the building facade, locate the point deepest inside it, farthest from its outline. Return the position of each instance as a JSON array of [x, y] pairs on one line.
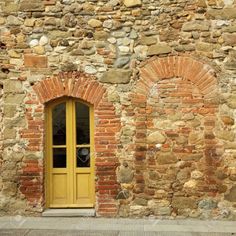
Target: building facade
[[124, 106]]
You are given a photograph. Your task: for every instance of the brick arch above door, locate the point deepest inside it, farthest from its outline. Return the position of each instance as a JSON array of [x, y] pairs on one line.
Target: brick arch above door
[[71, 84], [106, 136]]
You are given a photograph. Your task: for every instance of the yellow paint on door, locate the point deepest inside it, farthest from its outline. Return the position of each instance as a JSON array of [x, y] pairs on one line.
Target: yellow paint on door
[[68, 185], [83, 191], [59, 188]]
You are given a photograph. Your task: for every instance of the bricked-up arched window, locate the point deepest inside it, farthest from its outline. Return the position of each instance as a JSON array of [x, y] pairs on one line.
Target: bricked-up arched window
[[176, 108], [69, 153]]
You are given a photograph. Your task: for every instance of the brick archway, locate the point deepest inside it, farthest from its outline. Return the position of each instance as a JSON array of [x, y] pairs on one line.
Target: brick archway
[[167, 86], [107, 125], [200, 74], [71, 84]]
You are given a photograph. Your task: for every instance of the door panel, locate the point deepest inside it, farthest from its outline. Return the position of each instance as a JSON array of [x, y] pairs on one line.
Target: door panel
[[83, 192], [70, 165], [59, 188]]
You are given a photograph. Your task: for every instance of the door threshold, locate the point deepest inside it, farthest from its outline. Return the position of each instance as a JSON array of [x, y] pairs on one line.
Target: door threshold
[[85, 212]]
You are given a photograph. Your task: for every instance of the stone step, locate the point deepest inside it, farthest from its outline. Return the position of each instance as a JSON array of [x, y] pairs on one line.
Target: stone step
[[85, 212]]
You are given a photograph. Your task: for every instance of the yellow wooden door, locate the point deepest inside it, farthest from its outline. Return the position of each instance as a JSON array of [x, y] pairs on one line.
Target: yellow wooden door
[[69, 151]]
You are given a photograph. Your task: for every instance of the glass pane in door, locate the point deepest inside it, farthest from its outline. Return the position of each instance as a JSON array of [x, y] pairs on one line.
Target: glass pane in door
[[82, 157], [82, 124], [59, 157], [59, 124]]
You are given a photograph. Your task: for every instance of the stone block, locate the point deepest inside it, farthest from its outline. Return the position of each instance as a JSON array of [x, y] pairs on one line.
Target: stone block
[[148, 40], [227, 120], [113, 97], [222, 14], [10, 8], [196, 26], [31, 6], [158, 49], [205, 47], [50, 21], [229, 39], [201, 3], [32, 156], [156, 138], [123, 194], [12, 53], [181, 140], [94, 23], [194, 156], [14, 98], [184, 202], [190, 185], [140, 201], [166, 158], [162, 211], [101, 35], [2, 20], [231, 64], [222, 188], [230, 145], [13, 21], [29, 22], [16, 122], [9, 110], [69, 67], [121, 62], [186, 47], [225, 135], [125, 174], [9, 188], [197, 174], [12, 86], [230, 29], [39, 50], [116, 76], [220, 174], [196, 137], [9, 133], [132, 3], [207, 204], [57, 34], [231, 196], [229, 13]]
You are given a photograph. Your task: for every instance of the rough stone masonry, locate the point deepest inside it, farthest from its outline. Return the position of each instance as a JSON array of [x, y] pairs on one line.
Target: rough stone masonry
[[161, 76]]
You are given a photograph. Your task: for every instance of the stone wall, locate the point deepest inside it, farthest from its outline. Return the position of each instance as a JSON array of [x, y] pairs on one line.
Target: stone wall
[[167, 69]]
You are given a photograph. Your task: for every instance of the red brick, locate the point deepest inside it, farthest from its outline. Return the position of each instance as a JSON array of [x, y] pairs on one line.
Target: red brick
[[49, 2], [34, 61]]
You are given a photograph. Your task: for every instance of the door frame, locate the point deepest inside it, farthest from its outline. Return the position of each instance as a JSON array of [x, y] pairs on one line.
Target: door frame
[[48, 147]]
